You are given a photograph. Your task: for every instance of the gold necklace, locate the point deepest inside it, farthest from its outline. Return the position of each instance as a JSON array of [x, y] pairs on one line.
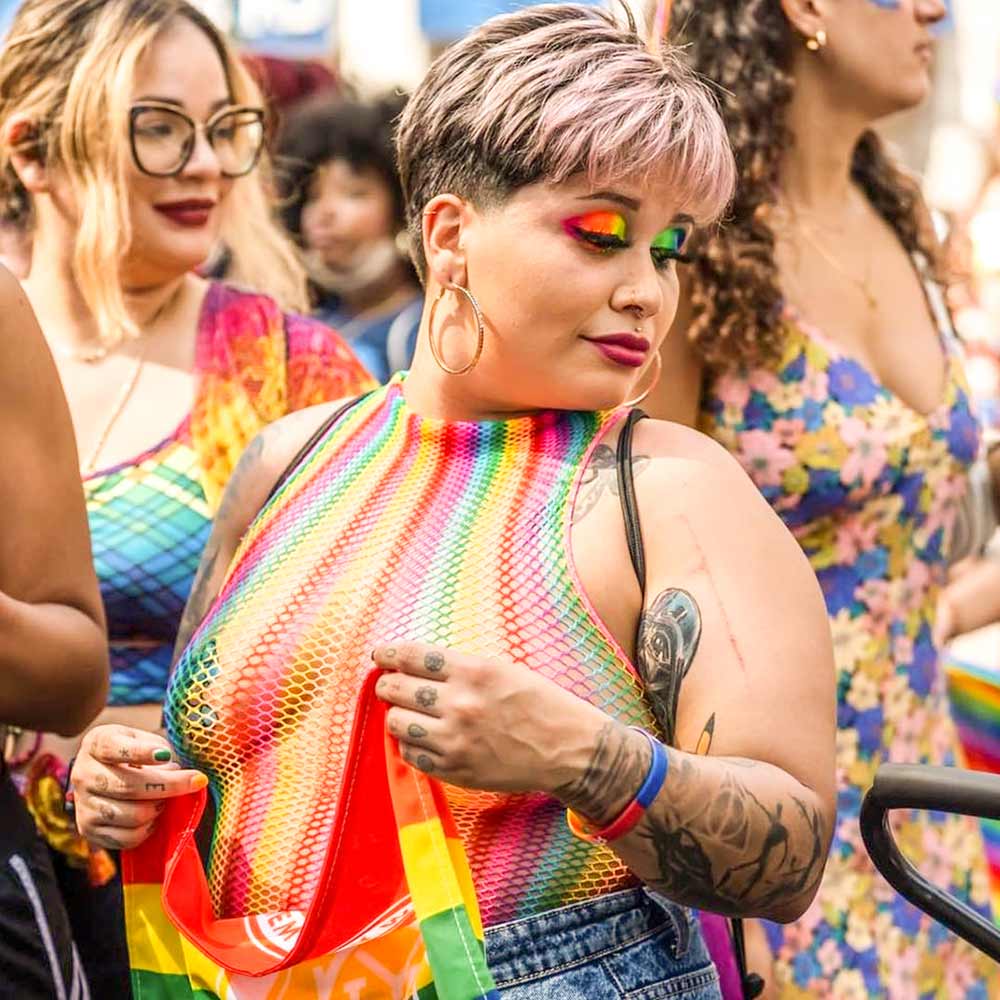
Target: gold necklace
[[128, 386], [124, 395], [863, 284]]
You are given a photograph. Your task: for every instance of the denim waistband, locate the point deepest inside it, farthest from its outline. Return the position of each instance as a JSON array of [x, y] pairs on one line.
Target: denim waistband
[[582, 932]]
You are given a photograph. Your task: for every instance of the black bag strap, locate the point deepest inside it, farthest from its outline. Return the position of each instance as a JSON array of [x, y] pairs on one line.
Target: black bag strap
[[753, 985], [314, 439], [626, 493]]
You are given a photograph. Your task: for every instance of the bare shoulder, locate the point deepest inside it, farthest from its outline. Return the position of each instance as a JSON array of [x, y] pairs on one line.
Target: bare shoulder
[[687, 460], [692, 485], [26, 365]]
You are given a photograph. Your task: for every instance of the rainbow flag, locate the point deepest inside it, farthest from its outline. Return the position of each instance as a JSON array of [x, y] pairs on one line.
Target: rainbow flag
[[975, 706], [408, 926]]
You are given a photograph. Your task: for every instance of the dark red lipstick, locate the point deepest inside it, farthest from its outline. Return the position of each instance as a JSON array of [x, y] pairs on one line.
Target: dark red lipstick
[[627, 349], [191, 213]]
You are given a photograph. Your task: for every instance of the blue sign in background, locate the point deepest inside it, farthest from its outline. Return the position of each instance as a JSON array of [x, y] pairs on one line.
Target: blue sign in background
[[444, 20], [8, 8]]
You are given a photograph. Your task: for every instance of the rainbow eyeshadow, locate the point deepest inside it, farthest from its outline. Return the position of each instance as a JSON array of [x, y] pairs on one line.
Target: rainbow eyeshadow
[[597, 231], [670, 240]]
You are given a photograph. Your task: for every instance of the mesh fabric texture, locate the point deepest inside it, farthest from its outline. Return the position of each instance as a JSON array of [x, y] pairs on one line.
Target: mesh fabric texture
[[395, 528]]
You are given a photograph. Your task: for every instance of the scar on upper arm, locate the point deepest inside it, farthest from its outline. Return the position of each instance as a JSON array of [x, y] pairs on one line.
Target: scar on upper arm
[[701, 567]]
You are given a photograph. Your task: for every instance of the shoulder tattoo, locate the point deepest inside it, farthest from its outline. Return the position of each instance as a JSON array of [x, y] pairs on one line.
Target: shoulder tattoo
[[600, 477]]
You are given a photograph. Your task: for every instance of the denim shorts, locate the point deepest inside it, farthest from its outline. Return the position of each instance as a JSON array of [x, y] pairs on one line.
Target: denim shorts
[[633, 944]]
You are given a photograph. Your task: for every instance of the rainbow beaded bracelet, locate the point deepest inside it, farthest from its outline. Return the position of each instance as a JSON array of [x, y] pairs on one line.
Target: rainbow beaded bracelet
[[628, 818]]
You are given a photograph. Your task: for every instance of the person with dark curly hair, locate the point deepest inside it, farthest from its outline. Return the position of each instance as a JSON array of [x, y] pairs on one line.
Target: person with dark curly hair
[[813, 343], [343, 204]]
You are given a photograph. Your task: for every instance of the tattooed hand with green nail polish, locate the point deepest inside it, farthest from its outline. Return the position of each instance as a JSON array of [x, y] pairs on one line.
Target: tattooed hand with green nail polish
[[120, 780]]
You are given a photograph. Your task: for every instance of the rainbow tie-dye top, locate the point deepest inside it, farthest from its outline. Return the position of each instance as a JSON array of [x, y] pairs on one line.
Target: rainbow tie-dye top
[[396, 527], [150, 516]]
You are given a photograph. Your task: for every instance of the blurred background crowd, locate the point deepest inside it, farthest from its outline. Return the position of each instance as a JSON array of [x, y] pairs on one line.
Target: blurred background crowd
[[335, 75]]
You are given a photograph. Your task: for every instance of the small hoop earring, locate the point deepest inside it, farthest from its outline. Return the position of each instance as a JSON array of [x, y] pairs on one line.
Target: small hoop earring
[[480, 331], [652, 385], [817, 42]]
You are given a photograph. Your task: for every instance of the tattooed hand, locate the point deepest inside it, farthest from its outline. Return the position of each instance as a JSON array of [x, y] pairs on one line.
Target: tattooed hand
[[120, 781], [478, 723]]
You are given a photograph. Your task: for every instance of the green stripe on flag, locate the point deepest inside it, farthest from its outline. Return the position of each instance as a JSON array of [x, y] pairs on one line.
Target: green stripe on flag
[[160, 986], [456, 956]]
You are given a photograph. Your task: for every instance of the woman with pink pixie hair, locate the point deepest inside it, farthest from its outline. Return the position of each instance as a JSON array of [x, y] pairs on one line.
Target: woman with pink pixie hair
[[593, 633]]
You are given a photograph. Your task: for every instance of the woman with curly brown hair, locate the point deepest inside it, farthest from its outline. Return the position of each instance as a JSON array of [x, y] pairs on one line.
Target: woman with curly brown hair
[[813, 344]]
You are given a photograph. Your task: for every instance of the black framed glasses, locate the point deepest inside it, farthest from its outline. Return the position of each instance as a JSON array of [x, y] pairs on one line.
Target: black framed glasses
[[163, 137]]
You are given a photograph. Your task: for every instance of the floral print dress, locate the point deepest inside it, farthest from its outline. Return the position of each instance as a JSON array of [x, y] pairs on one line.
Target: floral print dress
[[869, 487]]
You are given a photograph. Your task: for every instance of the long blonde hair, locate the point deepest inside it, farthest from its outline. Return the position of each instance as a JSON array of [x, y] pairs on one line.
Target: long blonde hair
[[68, 67]]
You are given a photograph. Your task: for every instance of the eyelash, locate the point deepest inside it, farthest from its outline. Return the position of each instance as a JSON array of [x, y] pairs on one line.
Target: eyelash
[[606, 243]]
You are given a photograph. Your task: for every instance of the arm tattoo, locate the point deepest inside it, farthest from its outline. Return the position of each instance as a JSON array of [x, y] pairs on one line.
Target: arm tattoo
[[202, 590], [669, 632], [600, 476], [729, 850], [612, 777], [704, 744], [199, 600], [715, 838]]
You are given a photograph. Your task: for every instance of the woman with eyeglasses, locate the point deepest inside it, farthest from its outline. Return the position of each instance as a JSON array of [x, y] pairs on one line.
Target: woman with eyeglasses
[[131, 144]]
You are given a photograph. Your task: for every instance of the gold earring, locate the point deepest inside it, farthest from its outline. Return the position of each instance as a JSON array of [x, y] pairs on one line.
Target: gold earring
[[817, 42], [652, 385], [480, 331]]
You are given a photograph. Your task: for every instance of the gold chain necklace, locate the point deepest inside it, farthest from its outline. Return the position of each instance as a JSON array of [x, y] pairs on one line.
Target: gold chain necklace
[[124, 395], [863, 284], [89, 464]]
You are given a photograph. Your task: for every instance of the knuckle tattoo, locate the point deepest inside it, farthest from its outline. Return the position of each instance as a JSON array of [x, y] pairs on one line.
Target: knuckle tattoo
[[425, 763], [101, 783], [155, 786], [106, 812], [426, 697], [416, 732], [434, 662]]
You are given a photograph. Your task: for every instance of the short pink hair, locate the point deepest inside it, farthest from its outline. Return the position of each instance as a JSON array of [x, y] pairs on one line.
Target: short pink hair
[[552, 91]]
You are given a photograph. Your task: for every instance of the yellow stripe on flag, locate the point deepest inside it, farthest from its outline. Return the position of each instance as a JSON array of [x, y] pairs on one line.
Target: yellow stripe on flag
[[429, 872], [460, 864], [153, 941]]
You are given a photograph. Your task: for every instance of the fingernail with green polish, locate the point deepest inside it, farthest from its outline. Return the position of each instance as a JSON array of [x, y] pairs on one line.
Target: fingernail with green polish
[[163, 756]]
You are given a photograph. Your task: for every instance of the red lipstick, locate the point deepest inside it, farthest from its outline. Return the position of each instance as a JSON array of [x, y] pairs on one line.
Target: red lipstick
[[191, 213], [626, 349]]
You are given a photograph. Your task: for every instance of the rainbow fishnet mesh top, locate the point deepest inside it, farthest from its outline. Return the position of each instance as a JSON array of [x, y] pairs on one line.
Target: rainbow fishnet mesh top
[[395, 528], [150, 516]]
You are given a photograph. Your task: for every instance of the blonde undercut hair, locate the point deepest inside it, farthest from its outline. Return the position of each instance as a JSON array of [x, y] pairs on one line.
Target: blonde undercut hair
[[552, 91]]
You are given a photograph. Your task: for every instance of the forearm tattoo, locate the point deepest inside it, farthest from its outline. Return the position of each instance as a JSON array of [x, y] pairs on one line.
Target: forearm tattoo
[[727, 847], [669, 632], [600, 477], [719, 836], [614, 773]]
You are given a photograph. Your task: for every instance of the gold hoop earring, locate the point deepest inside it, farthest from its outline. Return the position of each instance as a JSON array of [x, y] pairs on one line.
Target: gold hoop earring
[[652, 385], [480, 331], [817, 42]]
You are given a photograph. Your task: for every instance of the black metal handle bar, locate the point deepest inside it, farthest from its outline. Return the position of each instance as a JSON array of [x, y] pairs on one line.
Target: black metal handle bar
[[944, 789]]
